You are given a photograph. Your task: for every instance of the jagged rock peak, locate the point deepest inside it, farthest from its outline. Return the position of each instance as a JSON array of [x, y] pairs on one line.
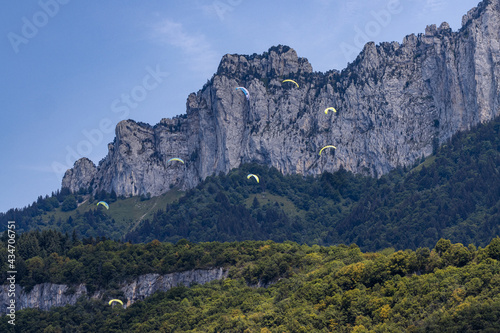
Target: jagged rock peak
[[80, 176], [279, 60], [476, 12], [431, 30]]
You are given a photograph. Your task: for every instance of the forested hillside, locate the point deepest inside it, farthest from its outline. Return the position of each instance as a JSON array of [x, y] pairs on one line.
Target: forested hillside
[[453, 194], [451, 288]]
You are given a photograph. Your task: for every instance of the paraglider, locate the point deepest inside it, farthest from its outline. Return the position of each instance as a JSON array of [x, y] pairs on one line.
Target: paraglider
[[115, 300], [176, 159], [330, 108], [254, 176], [245, 91], [103, 203], [291, 81], [325, 148]]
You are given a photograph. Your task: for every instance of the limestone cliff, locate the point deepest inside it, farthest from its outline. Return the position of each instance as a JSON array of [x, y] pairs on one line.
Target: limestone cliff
[[47, 295], [395, 103], [81, 175]]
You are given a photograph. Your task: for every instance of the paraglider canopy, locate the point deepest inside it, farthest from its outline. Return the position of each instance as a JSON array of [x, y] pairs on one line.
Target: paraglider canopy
[[330, 108], [325, 148], [103, 203], [291, 81], [245, 91], [254, 176], [176, 159], [115, 300]]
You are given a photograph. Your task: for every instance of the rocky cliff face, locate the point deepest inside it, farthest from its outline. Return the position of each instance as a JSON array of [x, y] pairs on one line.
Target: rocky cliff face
[[395, 103], [81, 175], [47, 295]]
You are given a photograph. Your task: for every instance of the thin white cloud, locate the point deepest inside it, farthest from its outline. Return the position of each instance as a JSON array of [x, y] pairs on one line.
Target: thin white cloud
[[351, 8], [37, 168], [435, 5], [428, 9], [209, 10], [220, 9], [199, 53]]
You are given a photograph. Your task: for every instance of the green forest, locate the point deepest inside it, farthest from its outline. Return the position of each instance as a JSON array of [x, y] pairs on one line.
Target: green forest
[[449, 288]]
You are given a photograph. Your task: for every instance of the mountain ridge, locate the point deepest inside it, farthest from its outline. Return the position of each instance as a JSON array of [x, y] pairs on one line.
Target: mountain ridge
[[395, 103]]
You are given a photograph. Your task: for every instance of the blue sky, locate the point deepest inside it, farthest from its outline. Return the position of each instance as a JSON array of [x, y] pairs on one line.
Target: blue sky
[[71, 70]]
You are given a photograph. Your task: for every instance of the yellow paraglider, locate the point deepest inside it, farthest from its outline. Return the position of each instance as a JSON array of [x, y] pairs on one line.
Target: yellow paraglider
[[115, 300], [325, 148], [176, 159], [291, 81], [104, 204], [255, 176], [330, 108]]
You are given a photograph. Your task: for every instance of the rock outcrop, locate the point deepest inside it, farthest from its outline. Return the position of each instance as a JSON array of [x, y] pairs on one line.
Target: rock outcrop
[[47, 295], [81, 175], [395, 103]]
